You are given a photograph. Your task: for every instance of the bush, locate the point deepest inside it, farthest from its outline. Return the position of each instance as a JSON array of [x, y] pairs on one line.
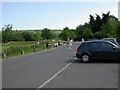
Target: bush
[[28, 36], [46, 34], [67, 34]]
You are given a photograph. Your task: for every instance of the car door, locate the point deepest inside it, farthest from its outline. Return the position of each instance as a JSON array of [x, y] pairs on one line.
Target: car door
[[95, 50], [109, 51]]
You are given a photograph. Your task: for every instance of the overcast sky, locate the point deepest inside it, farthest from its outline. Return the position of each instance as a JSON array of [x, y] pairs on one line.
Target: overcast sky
[[54, 15]]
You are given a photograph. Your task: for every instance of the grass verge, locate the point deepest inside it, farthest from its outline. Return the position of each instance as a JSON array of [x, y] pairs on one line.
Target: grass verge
[[12, 49]]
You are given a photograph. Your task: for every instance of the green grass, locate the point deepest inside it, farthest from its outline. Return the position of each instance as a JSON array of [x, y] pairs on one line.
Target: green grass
[[14, 48]]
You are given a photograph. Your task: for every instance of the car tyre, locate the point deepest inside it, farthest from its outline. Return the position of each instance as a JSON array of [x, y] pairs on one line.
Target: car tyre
[[85, 58]]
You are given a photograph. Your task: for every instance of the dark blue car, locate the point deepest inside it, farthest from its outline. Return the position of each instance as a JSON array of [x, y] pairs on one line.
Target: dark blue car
[[98, 49]]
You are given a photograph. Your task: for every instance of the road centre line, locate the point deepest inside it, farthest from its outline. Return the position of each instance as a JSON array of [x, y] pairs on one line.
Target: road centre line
[[41, 86]]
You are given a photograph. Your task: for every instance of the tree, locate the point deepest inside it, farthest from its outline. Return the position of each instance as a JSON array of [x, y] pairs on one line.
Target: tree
[[83, 32], [37, 35], [99, 27], [105, 17], [46, 34], [99, 35], [7, 27], [67, 34], [86, 33], [7, 33], [118, 32], [72, 34], [92, 23], [97, 22], [17, 36], [6, 36], [91, 19], [109, 28], [28, 36]]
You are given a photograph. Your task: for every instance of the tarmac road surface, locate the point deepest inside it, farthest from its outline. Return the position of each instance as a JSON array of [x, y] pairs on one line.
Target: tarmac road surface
[[58, 68]]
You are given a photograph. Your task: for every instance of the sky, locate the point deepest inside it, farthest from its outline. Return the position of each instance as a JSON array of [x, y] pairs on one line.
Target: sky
[[53, 15]]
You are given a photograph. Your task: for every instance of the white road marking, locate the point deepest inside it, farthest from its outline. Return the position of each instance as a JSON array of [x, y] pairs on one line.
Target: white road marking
[[41, 86]]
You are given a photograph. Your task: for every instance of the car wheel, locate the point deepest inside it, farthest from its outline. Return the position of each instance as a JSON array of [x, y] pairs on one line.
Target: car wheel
[[85, 58]]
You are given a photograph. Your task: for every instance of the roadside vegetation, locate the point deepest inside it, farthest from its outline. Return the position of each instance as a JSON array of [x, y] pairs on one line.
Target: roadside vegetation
[[98, 27], [15, 48], [14, 42], [21, 42]]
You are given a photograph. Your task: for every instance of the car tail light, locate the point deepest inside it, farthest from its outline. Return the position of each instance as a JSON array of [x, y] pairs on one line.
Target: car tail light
[[78, 50]]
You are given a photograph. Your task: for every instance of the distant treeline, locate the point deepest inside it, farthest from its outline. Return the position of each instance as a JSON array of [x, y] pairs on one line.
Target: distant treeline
[[32, 35], [97, 27]]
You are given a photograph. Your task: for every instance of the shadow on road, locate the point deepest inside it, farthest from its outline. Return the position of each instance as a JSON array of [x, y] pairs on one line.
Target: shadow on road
[[96, 61], [106, 61]]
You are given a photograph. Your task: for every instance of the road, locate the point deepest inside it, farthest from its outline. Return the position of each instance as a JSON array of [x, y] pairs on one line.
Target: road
[[58, 68]]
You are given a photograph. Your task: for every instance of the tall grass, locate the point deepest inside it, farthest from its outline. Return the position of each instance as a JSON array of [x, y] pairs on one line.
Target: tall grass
[[11, 49]]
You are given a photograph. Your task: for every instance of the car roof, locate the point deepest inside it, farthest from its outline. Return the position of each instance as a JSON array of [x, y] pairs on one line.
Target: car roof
[[95, 41], [108, 38], [99, 41]]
